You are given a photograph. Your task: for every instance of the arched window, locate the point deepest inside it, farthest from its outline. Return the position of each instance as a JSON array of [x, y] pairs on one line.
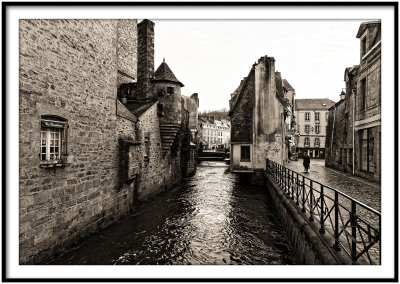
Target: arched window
[[53, 138]]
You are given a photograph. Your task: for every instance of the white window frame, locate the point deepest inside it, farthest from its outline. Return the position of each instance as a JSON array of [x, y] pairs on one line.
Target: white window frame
[[53, 141], [307, 116]]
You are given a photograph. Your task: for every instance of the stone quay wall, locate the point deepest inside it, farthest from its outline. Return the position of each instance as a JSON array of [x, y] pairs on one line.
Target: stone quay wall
[[310, 247]]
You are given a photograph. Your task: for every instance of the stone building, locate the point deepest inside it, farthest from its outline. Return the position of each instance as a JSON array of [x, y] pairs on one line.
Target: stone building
[[91, 132], [192, 105], [223, 133], [214, 133], [312, 118], [257, 112], [355, 122]]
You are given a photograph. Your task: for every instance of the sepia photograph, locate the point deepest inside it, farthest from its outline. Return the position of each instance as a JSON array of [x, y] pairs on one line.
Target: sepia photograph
[[185, 145]]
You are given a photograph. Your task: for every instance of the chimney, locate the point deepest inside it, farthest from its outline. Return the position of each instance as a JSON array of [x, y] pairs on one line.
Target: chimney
[[145, 59], [195, 97], [342, 95]]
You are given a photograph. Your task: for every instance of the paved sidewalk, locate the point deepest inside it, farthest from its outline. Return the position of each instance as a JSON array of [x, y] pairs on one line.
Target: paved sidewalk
[[361, 189]]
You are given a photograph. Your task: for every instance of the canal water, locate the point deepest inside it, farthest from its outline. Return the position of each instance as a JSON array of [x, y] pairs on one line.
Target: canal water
[[210, 218]]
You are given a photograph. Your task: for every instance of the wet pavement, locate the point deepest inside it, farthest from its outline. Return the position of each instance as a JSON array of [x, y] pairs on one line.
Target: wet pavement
[[210, 218], [361, 189]]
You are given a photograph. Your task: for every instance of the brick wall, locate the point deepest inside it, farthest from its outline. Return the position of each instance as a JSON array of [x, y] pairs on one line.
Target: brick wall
[[69, 68]]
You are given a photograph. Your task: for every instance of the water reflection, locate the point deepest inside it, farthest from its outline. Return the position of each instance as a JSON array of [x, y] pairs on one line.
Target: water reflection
[[209, 219]]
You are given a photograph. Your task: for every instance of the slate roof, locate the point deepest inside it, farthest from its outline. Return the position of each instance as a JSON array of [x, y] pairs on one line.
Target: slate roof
[[164, 73], [286, 85], [313, 104], [365, 25], [279, 90], [138, 108]]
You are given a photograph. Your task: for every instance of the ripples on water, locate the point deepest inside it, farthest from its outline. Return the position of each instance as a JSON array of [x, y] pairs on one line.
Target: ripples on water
[[209, 219]]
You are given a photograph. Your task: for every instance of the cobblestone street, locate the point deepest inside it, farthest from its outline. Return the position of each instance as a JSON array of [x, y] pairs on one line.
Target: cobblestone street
[[361, 189]]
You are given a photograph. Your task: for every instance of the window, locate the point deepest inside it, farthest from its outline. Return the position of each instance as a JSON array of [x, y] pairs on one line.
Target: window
[[147, 146], [363, 46], [307, 128], [160, 109], [307, 116], [317, 142], [245, 153], [53, 138], [367, 150], [170, 90], [317, 116], [317, 129], [306, 142], [363, 92]]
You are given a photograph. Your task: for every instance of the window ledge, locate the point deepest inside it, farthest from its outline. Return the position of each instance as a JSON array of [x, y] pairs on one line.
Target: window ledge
[[58, 164]]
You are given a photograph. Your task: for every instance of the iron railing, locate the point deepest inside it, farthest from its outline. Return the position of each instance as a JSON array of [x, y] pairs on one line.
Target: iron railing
[[354, 226]]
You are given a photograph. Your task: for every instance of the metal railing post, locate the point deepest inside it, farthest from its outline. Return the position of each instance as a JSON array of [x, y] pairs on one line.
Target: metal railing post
[[292, 179], [311, 202], [284, 179], [353, 222], [297, 188], [322, 218], [304, 195], [336, 246]]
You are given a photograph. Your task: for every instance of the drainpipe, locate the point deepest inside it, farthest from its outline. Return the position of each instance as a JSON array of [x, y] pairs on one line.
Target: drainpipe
[[354, 113], [333, 129]]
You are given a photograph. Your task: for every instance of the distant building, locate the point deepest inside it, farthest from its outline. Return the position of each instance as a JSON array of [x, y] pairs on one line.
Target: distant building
[[354, 129], [312, 118], [213, 133], [223, 132], [257, 111]]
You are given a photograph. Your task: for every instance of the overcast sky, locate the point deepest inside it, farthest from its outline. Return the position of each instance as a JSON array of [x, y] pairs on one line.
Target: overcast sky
[[210, 57]]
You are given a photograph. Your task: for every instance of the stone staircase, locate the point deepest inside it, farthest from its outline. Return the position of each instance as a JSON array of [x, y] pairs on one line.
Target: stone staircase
[[168, 134]]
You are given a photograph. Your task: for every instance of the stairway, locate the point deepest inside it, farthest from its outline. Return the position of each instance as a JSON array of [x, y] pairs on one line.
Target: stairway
[[168, 133]]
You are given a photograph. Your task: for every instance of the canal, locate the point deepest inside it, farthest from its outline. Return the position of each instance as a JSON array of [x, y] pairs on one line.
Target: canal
[[210, 218]]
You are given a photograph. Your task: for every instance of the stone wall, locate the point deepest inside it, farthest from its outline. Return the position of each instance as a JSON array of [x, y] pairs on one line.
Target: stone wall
[[172, 103], [68, 68], [310, 247], [127, 51], [157, 173], [268, 115], [242, 113]]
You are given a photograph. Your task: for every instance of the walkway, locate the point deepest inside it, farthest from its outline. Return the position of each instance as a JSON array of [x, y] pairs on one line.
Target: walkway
[[361, 189]]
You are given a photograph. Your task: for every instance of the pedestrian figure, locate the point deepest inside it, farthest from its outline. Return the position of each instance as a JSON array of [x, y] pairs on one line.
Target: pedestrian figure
[[306, 162]]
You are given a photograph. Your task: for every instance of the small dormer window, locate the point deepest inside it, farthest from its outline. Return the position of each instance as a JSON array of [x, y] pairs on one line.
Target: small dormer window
[[170, 90], [363, 46]]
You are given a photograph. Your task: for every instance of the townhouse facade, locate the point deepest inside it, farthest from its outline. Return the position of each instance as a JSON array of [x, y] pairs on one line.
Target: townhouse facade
[[355, 123], [312, 119]]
